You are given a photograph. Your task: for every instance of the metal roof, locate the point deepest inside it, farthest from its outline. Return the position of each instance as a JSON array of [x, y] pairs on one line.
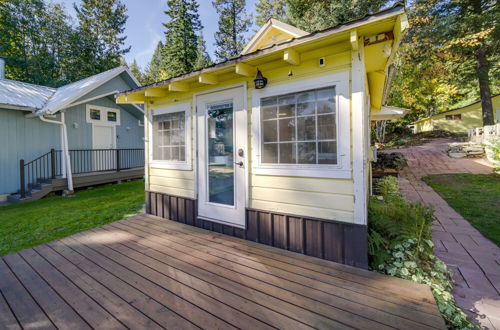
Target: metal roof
[[45, 100], [23, 96]]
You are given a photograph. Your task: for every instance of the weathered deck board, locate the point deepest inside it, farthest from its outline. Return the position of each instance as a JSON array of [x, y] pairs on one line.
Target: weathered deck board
[[146, 272]]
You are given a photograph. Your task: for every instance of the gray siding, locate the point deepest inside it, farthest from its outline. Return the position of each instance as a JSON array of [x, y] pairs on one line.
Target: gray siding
[[129, 133], [115, 84], [22, 138]]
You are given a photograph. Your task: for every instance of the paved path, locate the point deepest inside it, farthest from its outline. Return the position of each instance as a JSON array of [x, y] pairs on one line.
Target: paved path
[[474, 259]]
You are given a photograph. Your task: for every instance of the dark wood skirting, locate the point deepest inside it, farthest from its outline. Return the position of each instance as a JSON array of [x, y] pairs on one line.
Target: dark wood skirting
[[331, 240]]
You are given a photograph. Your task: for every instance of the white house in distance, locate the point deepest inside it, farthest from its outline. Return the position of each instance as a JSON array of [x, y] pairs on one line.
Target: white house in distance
[[273, 146]]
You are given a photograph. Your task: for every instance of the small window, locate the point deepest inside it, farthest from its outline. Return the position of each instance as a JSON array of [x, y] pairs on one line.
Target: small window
[[300, 128], [95, 114], [112, 116], [169, 133]]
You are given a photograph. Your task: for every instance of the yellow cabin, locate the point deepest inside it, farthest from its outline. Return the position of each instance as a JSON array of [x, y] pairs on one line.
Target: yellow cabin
[[274, 146], [458, 120]]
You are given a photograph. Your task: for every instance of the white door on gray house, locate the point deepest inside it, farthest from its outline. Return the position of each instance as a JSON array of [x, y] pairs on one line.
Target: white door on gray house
[[104, 143], [222, 155]]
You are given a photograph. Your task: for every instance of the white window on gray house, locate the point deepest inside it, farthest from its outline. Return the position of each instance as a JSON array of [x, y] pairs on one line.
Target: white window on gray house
[[300, 128], [169, 132]]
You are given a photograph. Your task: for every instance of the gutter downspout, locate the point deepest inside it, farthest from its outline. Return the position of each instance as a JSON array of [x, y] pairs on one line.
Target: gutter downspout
[[64, 145]]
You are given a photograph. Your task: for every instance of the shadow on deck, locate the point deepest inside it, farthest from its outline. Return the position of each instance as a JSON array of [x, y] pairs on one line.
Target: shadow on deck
[[147, 272]]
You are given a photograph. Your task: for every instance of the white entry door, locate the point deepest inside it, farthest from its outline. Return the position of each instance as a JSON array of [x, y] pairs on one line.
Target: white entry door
[[222, 156], [103, 141]]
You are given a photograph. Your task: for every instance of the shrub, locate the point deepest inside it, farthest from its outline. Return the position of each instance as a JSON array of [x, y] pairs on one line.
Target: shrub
[[400, 244]]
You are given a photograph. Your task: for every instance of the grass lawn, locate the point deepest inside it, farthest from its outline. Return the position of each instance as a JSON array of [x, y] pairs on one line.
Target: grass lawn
[[475, 196], [33, 223]]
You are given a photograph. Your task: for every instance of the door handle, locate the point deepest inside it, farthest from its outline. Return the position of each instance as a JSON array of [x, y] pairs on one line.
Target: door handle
[[240, 163]]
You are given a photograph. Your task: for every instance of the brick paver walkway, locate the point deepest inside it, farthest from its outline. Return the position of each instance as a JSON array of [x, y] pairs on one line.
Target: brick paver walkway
[[474, 259]]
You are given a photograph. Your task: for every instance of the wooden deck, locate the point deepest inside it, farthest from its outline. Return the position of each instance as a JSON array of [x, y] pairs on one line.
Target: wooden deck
[[147, 272]]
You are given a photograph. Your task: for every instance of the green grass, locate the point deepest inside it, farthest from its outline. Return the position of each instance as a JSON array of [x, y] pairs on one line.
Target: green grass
[[33, 223], [475, 196]]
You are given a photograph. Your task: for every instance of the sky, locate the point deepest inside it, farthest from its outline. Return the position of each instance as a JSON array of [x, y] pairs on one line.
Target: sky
[[144, 26]]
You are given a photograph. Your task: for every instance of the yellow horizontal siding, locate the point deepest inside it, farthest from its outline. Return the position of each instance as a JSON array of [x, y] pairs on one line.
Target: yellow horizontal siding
[[301, 210], [172, 191], [312, 199], [321, 185], [173, 182]]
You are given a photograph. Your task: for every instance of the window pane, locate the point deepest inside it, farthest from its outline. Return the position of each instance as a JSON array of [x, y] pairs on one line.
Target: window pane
[[286, 106], [327, 153], [270, 153], [169, 136], [183, 154], [95, 114], [307, 152], [287, 129], [287, 153], [270, 130], [269, 108], [306, 128], [111, 116], [326, 100], [305, 104], [326, 127]]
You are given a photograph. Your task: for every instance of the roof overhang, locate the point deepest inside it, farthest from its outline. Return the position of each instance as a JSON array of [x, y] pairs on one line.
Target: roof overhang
[[246, 65], [388, 113], [16, 107]]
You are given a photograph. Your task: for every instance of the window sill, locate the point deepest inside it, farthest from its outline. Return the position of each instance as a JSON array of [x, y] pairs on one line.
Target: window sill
[[311, 172], [171, 166]]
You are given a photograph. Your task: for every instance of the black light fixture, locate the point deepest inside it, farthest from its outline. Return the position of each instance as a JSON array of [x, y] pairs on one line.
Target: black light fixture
[[260, 81]]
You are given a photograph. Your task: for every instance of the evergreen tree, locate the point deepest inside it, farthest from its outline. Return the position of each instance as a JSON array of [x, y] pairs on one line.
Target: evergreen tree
[[34, 39], [438, 62], [233, 23], [181, 41], [100, 41], [313, 15], [153, 72], [136, 71], [267, 9], [202, 58]]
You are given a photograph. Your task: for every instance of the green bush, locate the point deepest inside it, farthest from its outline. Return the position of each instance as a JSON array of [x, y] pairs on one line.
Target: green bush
[[400, 244]]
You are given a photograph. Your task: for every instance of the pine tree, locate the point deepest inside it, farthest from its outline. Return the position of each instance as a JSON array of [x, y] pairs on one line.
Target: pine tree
[[136, 71], [181, 41], [267, 9], [34, 38], [100, 42], [153, 71], [313, 15], [233, 23], [202, 58]]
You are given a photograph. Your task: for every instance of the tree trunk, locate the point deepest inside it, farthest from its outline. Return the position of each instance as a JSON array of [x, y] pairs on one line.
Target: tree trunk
[[483, 69]]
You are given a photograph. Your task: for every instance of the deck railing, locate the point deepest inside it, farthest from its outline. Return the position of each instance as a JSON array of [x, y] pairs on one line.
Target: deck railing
[[50, 165], [484, 134]]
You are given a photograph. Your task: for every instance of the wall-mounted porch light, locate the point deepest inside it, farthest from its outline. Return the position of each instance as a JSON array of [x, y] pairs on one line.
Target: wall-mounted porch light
[[260, 81]]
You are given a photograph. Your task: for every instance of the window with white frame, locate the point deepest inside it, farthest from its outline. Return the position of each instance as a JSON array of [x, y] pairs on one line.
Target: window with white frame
[[102, 115], [170, 137], [299, 128], [169, 132]]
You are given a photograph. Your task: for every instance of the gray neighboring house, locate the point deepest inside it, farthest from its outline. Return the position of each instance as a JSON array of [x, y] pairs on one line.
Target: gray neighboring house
[[68, 137]]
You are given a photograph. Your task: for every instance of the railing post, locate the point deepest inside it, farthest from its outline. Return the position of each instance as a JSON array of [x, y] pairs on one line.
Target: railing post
[[22, 191], [118, 160], [53, 162]]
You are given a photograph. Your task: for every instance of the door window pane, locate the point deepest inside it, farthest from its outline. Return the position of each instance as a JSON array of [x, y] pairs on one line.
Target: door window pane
[[111, 116], [302, 130], [95, 114], [220, 154], [169, 137]]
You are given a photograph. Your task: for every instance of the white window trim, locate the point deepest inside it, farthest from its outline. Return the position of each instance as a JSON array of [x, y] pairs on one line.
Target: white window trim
[[104, 115], [343, 168], [186, 165]]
